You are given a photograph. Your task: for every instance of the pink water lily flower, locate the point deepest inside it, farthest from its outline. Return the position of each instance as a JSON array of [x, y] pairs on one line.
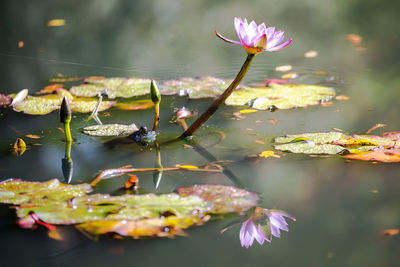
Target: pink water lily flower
[[250, 230], [256, 39]]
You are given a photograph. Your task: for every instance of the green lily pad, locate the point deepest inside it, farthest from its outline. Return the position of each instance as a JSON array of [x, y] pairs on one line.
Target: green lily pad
[[281, 96], [41, 105], [334, 143], [52, 202], [15, 191], [104, 207], [200, 87], [116, 87], [110, 130]]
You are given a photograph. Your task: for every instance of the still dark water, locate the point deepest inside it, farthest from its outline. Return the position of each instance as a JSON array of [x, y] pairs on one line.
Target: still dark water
[[341, 208]]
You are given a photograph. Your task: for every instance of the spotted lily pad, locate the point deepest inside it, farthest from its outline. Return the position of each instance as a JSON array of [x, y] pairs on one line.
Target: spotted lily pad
[[200, 87], [114, 87], [128, 215], [41, 105], [281, 96], [110, 130], [15, 191], [364, 147], [220, 195]]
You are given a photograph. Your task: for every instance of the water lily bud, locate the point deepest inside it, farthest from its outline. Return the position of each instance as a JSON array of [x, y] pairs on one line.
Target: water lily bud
[[65, 111], [155, 93]]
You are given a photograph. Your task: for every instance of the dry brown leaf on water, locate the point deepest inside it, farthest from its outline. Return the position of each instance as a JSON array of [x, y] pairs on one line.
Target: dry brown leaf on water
[[260, 142], [56, 23], [272, 121], [354, 39], [320, 72], [50, 88], [378, 125], [283, 68], [342, 97], [311, 54], [389, 232], [382, 155], [33, 136], [55, 234], [290, 75], [239, 115]]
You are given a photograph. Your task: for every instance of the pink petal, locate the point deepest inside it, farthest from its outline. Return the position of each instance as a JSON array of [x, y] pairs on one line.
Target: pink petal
[[226, 39], [279, 47]]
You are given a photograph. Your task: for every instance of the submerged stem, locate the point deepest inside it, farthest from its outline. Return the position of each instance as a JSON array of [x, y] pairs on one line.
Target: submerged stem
[[221, 99]]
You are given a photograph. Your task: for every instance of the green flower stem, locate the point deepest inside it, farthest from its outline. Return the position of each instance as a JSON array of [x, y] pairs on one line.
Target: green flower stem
[[221, 99], [156, 116], [67, 131]]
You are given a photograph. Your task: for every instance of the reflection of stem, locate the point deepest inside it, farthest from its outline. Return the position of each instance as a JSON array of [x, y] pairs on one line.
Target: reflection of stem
[[221, 99], [67, 163], [207, 155], [157, 175], [156, 116]]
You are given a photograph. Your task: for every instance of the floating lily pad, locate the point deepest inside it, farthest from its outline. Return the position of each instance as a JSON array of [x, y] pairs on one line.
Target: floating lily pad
[[128, 215], [5, 100], [135, 105], [220, 195], [281, 96], [110, 130], [383, 155], [364, 147], [116, 87], [200, 87], [15, 191], [41, 105]]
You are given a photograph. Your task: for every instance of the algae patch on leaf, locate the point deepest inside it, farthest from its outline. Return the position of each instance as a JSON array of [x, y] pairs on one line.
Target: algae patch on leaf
[[281, 96], [114, 87], [200, 87], [110, 130]]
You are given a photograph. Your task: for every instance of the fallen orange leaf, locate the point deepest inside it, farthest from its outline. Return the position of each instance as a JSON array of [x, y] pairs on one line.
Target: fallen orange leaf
[[33, 136], [389, 232], [50, 88], [383, 155], [354, 39], [379, 125], [56, 22]]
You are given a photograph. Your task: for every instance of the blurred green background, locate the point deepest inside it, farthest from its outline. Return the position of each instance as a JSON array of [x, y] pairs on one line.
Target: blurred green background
[[341, 208]]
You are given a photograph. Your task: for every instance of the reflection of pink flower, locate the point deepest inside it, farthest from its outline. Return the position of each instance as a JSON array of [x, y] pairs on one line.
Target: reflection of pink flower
[[260, 232], [256, 39]]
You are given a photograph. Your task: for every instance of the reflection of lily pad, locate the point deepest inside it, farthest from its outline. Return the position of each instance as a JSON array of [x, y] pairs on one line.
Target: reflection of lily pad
[[281, 96], [200, 87], [363, 147], [41, 105], [116, 87], [110, 130], [128, 215]]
